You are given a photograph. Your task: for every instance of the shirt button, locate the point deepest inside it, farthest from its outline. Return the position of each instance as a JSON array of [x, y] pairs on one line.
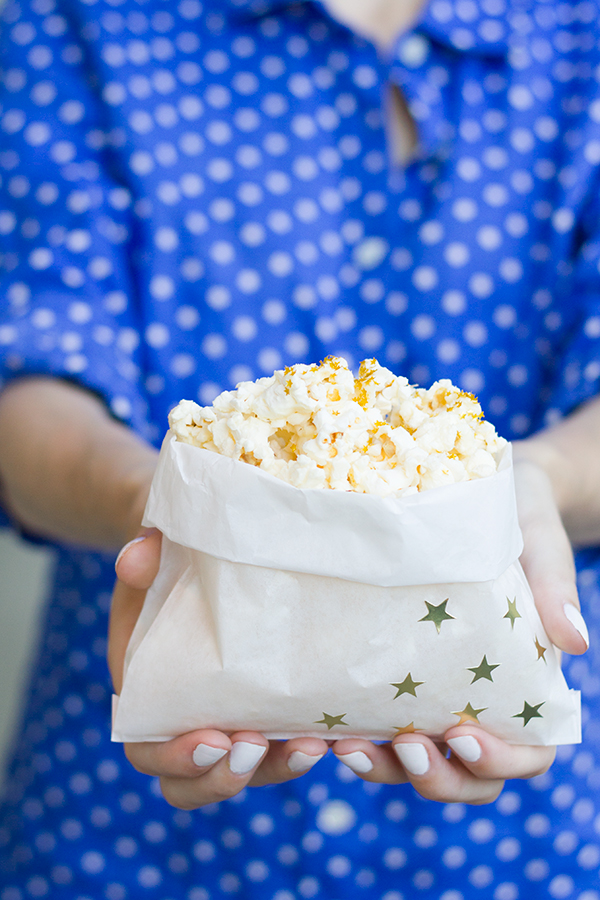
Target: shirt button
[[370, 252], [413, 51]]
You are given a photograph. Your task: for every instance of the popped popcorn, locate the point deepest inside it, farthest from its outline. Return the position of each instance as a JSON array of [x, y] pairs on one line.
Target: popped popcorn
[[316, 426]]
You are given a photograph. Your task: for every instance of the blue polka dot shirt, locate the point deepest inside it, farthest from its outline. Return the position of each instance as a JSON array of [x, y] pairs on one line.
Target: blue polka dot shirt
[[196, 193]]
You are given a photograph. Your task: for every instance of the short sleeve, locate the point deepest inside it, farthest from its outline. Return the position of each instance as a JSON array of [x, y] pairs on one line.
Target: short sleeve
[[68, 304]]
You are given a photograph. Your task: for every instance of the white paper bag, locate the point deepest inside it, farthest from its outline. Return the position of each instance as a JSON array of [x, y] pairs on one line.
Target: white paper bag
[[336, 614]]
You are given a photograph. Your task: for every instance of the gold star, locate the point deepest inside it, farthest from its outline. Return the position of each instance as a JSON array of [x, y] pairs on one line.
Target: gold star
[[330, 721], [408, 686], [529, 712], [436, 614], [483, 670], [468, 714], [407, 729], [541, 650], [512, 613]]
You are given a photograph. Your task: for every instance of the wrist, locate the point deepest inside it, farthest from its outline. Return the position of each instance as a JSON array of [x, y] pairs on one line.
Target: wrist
[[539, 457], [568, 453], [119, 473], [86, 482]]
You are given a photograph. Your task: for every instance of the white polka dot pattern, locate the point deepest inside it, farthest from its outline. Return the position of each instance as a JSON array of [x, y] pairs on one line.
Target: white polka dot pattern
[[192, 194]]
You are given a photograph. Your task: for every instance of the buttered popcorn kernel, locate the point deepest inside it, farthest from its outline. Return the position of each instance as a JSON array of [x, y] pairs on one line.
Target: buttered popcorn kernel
[[316, 426]]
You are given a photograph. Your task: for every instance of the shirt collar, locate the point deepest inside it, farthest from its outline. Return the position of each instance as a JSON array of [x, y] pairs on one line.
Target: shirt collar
[[250, 9], [479, 27], [491, 29]]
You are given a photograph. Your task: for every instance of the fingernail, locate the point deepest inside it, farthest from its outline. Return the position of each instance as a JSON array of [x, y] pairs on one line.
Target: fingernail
[[465, 746], [204, 755], [358, 761], [577, 621], [244, 757], [413, 757], [124, 549], [302, 762]]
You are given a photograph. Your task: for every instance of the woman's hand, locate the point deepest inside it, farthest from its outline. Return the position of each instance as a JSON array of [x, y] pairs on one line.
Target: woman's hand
[[479, 763], [203, 766], [206, 766], [547, 556]]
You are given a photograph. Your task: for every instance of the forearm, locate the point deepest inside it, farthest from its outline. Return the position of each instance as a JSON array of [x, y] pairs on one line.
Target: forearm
[[69, 471], [569, 453]]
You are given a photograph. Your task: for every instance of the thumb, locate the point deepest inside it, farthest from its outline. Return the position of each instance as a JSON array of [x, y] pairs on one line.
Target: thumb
[[547, 560], [136, 567], [137, 563]]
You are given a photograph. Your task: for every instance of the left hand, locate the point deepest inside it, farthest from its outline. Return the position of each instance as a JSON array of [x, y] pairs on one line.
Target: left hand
[[206, 765], [479, 763]]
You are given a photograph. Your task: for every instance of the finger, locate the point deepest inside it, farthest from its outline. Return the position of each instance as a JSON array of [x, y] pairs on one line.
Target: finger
[[441, 779], [488, 757], [372, 762], [548, 564], [126, 606], [289, 759], [137, 563], [186, 756], [220, 781], [547, 560], [136, 567]]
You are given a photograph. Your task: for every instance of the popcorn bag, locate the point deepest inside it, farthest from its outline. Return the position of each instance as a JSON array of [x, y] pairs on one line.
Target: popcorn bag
[[337, 613]]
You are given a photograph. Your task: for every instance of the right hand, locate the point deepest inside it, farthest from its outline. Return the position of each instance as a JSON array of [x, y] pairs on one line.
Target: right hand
[[203, 766]]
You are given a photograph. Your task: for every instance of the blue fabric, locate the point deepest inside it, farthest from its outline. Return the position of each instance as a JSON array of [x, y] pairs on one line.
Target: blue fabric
[[193, 195]]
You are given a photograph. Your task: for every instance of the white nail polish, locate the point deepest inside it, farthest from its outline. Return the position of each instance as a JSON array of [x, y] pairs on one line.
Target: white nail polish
[[244, 756], [124, 549], [204, 755], [465, 746], [358, 761], [413, 757], [302, 762], [577, 621]]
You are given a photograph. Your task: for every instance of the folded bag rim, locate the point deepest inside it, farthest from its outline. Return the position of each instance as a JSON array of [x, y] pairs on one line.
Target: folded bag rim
[[465, 532]]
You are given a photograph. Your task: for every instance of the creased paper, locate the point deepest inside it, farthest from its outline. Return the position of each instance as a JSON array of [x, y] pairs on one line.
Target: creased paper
[[228, 509], [333, 614]]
